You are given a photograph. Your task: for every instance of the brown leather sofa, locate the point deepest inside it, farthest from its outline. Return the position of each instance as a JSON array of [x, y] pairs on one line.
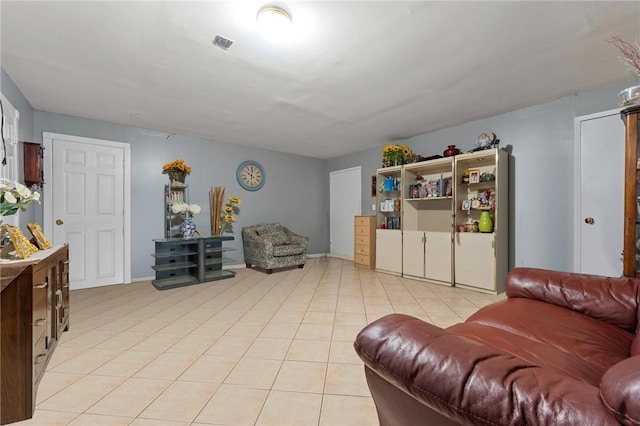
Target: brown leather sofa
[[560, 350]]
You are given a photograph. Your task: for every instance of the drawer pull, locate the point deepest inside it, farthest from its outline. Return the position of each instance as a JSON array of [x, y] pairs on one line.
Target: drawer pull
[[40, 358], [40, 322], [41, 285], [58, 299]]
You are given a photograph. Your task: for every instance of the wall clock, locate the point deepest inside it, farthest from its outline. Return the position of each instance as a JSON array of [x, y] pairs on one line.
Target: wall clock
[[250, 175]]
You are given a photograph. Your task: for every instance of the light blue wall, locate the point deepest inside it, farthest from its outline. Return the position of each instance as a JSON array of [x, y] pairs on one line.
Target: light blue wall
[[294, 193], [540, 139]]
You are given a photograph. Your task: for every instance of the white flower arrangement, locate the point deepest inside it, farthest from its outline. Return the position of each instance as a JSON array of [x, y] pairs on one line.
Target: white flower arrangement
[[184, 208], [15, 196]]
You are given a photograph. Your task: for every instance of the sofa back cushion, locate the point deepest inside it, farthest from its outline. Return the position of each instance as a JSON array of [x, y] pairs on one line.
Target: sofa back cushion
[[549, 336], [608, 299], [275, 233], [277, 238]]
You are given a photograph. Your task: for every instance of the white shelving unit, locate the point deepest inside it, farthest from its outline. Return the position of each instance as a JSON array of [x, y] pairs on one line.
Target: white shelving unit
[[427, 217], [437, 199], [389, 220]]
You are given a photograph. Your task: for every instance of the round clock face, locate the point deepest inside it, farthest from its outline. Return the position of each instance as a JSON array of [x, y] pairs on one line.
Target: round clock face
[[250, 175]]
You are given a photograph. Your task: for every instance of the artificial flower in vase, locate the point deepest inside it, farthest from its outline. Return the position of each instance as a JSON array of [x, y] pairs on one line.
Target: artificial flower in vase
[[221, 215], [177, 171], [14, 197], [187, 227], [394, 155], [631, 59]]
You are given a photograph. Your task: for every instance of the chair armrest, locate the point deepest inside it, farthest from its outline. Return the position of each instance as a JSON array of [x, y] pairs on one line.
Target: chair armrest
[[252, 243], [297, 239], [473, 383], [619, 390], [613, 300]]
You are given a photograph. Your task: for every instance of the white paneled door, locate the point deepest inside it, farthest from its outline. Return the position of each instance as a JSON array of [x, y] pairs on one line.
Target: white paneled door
[[345, 195], [88, 199], [599, 193]]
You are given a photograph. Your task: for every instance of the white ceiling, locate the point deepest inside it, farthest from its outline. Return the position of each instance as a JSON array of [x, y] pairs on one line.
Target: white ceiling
[[358, 75]]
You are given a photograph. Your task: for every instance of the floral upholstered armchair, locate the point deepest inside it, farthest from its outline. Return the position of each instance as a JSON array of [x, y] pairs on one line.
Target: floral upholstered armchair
[[271, 245]]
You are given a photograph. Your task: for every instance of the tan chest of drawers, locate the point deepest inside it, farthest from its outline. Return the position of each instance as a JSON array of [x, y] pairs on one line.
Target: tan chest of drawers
[[365, 241]]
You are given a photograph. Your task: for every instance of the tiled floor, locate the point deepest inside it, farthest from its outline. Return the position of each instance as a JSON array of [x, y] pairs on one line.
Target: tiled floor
[[257, 349]]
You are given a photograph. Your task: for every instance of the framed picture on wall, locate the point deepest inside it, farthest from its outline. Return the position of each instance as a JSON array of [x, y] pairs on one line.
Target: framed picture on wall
[[373, 185]]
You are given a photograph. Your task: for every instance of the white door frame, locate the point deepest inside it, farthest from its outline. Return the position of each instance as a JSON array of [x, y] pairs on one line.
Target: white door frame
[[577, 178], [48, 140]]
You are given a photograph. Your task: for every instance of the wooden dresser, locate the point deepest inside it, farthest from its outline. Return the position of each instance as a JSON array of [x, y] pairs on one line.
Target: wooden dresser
[[365, 241], [34, 312]]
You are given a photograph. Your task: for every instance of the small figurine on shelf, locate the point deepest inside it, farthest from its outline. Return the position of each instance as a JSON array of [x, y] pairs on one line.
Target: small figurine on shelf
[[486, 141]]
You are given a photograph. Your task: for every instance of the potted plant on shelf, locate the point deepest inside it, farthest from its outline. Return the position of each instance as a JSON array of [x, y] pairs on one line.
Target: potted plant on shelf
[[177, 171], [631, 58]]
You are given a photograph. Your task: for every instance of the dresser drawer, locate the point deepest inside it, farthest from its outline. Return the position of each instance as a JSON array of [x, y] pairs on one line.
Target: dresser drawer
[[39, 358], [363, 220], [40, 303], [364, 250], [362, 240], [362, 230], [362, 259]]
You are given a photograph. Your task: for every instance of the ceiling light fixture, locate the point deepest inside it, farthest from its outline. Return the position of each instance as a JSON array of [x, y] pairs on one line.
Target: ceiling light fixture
[[274, 24]]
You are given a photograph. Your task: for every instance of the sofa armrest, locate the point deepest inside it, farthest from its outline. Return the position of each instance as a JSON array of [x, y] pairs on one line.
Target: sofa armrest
[[473, 383], [619, 390], [613, 300]]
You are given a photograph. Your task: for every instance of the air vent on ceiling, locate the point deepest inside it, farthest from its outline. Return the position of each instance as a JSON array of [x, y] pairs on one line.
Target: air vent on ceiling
[[222, 42]]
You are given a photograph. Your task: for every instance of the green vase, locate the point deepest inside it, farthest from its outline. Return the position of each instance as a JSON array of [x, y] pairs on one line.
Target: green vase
[[485, 224]]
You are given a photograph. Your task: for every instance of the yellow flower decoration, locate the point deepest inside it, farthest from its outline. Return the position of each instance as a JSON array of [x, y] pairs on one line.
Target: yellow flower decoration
[[395, 153], [177, 165]]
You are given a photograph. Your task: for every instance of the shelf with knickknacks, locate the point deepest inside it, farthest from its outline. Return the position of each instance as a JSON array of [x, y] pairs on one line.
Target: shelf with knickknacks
[[184, 256]]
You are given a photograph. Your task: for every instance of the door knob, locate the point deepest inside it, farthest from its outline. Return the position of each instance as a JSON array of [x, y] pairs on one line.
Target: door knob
[[589, 220], [59, 222]]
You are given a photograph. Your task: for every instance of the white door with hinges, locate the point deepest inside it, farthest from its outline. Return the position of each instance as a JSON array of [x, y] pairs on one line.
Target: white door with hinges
[[599, 193], [88, 207]]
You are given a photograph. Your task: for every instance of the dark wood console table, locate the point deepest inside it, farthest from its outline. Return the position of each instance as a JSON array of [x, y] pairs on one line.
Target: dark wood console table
[[34, 311]]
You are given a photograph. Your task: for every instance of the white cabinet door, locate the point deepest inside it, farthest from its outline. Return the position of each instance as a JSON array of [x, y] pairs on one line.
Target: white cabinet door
[[475, 262], [438, 256], [389, 251], [413, 253]]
